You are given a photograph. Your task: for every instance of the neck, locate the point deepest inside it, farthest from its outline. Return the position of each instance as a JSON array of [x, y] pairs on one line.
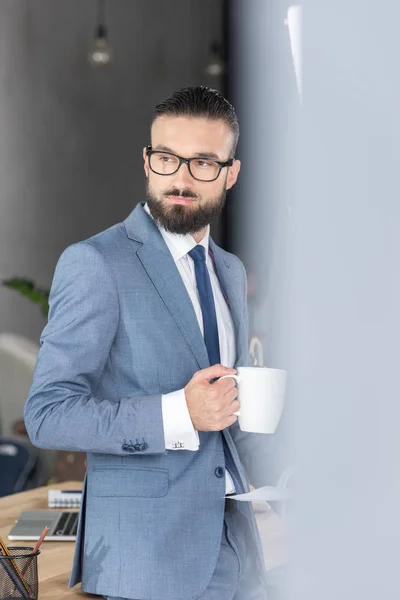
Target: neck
[[198, 236]]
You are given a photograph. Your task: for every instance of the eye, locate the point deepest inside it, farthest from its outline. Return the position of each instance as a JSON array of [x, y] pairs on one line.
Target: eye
[[204, 164], [166, 158]]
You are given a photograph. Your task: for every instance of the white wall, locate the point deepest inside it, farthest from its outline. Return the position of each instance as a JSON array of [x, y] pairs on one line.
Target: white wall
[[341, 238], [346, 299]]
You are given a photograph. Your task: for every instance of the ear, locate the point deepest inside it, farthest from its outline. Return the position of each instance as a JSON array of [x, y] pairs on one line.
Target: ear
[[233, 173], [146, 162]]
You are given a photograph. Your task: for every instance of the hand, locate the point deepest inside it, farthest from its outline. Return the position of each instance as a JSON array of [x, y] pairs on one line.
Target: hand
[[211, 406]]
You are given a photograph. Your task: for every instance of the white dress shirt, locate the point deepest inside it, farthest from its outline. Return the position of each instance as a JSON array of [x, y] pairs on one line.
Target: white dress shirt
[[179, 432]]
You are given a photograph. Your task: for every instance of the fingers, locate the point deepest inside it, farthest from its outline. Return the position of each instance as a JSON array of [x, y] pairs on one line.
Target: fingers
[[214, 371], [230, 407], [234, 406], [232, 394], [225, 385], [231, 420]]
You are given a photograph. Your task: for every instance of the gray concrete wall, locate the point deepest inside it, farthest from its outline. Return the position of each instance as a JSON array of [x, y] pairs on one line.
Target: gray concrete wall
[[72, 136]]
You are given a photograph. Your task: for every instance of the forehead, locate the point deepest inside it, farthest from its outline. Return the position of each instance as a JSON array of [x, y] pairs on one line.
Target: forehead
[[189, 136]]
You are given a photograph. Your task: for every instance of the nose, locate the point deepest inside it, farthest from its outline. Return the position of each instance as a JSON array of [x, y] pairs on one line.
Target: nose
[[183, 178]]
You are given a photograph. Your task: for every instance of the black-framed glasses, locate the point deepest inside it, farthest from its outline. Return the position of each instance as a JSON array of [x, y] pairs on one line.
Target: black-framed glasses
[[202, 169]]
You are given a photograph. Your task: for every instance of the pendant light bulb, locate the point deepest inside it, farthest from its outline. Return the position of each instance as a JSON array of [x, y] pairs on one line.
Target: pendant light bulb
[[215, 65], [100, 53]]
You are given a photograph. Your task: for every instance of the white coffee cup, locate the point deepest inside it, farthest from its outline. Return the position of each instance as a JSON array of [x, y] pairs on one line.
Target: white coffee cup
[[261, 393]]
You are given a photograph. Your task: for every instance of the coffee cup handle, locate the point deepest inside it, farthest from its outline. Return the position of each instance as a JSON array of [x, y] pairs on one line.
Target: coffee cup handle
[[237, 379]]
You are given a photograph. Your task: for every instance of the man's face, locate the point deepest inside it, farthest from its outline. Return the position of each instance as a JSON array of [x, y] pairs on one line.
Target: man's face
[[178, 202]]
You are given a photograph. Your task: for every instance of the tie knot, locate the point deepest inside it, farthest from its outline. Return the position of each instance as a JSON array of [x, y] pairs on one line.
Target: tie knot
[[198, 253]]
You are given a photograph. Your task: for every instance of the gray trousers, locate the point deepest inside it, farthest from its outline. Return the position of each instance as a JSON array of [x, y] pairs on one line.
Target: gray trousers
[[235, 576]]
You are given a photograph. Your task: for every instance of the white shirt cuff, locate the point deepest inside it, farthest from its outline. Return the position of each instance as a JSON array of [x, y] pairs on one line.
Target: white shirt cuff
[[179, 433]]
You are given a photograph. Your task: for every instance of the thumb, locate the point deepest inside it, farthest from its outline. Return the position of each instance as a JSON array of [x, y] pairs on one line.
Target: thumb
[[215, 371]]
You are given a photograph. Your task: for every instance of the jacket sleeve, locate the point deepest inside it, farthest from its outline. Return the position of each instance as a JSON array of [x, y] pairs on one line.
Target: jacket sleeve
[[62, 411]]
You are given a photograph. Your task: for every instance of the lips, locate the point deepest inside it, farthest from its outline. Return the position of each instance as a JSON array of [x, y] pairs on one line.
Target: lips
[[180, 199]]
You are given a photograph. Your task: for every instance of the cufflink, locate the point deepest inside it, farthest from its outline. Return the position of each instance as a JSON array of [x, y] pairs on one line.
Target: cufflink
[[177, 445]]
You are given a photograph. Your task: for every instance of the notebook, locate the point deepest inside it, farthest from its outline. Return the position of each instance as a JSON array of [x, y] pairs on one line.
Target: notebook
[[64, 498], [62, 525]]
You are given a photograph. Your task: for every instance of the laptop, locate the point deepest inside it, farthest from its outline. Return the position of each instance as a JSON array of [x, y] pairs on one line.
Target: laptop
[[62, 525]]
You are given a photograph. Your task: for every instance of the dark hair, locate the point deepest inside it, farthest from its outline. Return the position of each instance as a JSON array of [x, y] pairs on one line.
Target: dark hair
[[200, 101]]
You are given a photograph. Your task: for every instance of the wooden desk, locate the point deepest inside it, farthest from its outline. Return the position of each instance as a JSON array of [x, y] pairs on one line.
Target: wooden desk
[[55, 559]]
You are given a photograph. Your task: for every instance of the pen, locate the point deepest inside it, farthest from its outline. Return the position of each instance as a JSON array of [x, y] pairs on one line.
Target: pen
[[14, 579], [36, 548], [13, 565]]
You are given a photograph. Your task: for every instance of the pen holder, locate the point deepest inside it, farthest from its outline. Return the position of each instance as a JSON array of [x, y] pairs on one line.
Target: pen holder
[[19, 574]]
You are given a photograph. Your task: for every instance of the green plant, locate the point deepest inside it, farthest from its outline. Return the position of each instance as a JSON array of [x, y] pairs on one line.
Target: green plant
[[28, 288]]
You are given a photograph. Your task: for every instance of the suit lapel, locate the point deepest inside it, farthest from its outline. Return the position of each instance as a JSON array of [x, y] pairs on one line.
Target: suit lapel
[[162, 270]]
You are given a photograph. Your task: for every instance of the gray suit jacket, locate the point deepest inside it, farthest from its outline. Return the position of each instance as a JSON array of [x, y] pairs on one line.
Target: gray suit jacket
[[121, 332]]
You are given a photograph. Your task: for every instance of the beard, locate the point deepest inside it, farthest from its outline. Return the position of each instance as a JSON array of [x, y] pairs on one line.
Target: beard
[[181, 219]]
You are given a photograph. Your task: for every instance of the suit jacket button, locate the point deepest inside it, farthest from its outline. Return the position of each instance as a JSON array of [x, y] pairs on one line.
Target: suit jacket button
[[219, 472], [125, 447], [144, 446], [137, 447], [131, 449]]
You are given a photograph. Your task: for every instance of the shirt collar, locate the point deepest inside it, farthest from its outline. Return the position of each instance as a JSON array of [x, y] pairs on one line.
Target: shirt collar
[[180, 244]]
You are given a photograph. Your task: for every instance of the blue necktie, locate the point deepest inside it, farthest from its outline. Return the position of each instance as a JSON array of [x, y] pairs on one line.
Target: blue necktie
[[198, 254]]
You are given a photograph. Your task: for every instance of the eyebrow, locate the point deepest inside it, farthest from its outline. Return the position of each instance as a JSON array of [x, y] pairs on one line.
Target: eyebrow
[[196, 154]]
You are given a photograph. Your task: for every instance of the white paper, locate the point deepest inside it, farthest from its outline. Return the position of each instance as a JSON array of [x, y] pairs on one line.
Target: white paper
[[266, 493]]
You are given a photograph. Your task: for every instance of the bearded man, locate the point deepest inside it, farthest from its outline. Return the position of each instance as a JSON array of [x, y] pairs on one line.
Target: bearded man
[[144, 319]]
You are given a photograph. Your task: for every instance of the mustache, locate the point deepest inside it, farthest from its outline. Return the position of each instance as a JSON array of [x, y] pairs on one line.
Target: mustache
[[182, 193]]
